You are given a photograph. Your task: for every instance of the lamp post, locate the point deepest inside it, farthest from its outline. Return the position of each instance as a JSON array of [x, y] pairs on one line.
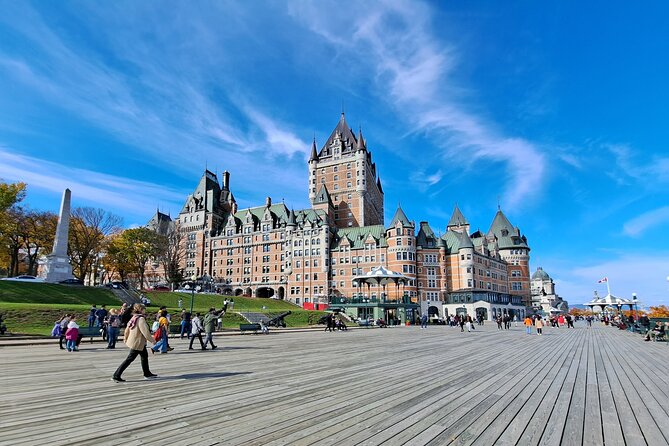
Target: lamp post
[[636, 315], [192, 291]]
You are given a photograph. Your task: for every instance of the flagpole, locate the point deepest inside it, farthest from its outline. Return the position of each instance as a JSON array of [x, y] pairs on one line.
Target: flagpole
[[608, 287]]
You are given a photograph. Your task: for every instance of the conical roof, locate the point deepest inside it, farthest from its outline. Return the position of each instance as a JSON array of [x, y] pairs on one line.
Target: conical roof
[[457, 219], [399, 216]]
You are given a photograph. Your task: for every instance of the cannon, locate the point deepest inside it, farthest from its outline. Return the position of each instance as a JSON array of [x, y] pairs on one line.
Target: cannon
[[278, 321]]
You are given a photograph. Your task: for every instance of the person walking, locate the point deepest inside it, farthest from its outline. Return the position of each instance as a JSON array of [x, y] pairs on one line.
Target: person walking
[[100, 315], [468, 324], [539, 324], [528, 325], [329, 322], [164, 327], [135, 337], [71, 335], [113, 325], [196, 331], [185, 323], [423, 321], [210, 321]]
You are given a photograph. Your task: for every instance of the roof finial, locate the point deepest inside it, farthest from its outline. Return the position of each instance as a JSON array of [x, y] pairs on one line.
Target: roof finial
[[499, 207]]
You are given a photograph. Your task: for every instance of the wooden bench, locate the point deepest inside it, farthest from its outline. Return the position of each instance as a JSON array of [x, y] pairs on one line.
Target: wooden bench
[[255, 328]]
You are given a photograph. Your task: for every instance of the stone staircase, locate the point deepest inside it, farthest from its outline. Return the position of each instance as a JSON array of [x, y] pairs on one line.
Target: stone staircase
[[127, 296]]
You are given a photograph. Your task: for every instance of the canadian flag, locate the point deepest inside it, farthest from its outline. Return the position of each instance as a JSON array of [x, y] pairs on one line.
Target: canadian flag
[[605, 279]]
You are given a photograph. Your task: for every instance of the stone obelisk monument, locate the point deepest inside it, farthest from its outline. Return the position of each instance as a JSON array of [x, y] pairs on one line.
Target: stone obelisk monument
[[57, 265]]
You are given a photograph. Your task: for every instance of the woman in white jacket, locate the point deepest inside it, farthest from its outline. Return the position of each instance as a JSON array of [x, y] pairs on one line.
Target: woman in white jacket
[[136, 335]]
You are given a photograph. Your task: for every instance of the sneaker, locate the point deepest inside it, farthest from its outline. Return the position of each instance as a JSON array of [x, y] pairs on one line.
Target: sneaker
[[117, 379], [151, 376], [169, 349], [214, 347]]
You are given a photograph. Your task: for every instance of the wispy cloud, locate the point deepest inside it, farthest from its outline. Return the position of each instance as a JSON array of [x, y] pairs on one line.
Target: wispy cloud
[[639, 225], [413, 73], [162, 105], [89, 188]]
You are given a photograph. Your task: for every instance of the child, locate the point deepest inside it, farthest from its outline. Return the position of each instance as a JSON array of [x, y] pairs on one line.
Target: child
[[71, 335]]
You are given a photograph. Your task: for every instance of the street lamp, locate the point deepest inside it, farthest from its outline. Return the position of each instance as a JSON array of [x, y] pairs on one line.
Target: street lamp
[[636, 315], [192, 291]]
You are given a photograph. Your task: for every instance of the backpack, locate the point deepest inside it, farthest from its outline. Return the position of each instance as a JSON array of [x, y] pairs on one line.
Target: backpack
[[57, 330], [155, 326], [157, 336]]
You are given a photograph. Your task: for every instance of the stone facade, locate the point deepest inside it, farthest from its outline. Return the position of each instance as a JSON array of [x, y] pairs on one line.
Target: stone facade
[[311, 255]]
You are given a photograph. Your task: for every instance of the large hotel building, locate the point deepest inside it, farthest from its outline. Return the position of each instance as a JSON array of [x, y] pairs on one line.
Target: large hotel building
[[310, 256]]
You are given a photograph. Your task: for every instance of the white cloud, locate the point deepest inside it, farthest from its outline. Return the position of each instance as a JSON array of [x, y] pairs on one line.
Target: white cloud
[[413, 71], [159, 99], [88, 188], [639, 225]]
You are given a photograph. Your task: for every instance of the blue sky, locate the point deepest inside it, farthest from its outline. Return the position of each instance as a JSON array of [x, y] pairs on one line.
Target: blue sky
[[556, 110]]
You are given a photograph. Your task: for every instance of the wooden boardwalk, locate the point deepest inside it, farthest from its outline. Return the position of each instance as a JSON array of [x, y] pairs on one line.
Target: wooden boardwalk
[[370, 386]]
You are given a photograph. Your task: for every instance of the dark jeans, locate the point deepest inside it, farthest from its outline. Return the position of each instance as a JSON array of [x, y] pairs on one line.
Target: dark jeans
[[199, 336], [112, 336], [143, 356]]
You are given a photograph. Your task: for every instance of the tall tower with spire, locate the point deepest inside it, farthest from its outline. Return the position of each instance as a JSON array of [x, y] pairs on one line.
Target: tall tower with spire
[[345, 167]]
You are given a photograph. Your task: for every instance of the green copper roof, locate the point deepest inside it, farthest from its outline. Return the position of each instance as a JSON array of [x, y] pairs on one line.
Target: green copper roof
[[457, 219], [455, 241], [358, 236], [507, 235]]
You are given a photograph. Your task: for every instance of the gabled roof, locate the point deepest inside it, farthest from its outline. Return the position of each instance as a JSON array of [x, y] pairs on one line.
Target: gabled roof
[[401, 217], [508, 236], [160, 223], [457, 219], [358, 236], [323, 196], [206, 194], [426, 237]]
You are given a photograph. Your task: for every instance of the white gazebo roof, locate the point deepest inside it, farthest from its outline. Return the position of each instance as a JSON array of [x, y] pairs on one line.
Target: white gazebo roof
[[610, 301], [380, 276]]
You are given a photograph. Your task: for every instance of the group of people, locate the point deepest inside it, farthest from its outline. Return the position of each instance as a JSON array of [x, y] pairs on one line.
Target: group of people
[[535, 321], [505, 321], [334, 323]]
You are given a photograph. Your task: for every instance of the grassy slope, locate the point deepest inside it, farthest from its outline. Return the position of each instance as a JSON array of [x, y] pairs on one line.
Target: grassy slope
[[34, 307]]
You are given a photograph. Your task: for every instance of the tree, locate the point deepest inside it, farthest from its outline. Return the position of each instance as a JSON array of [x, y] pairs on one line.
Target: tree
[[115, 258], [172, 251], [12, 235], [659, 311], [137, 246], [38, 236], [89, 229], [579, 312], [10, 194]]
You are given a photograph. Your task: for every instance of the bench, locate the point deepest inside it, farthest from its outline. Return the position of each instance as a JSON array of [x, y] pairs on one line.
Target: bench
[[255, 328], [91, 332]]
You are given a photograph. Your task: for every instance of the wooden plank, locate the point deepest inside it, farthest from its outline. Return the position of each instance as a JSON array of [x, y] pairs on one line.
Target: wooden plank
[[396, 386]]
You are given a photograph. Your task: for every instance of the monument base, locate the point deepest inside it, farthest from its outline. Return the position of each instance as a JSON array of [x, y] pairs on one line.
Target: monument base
[[57, 268]]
